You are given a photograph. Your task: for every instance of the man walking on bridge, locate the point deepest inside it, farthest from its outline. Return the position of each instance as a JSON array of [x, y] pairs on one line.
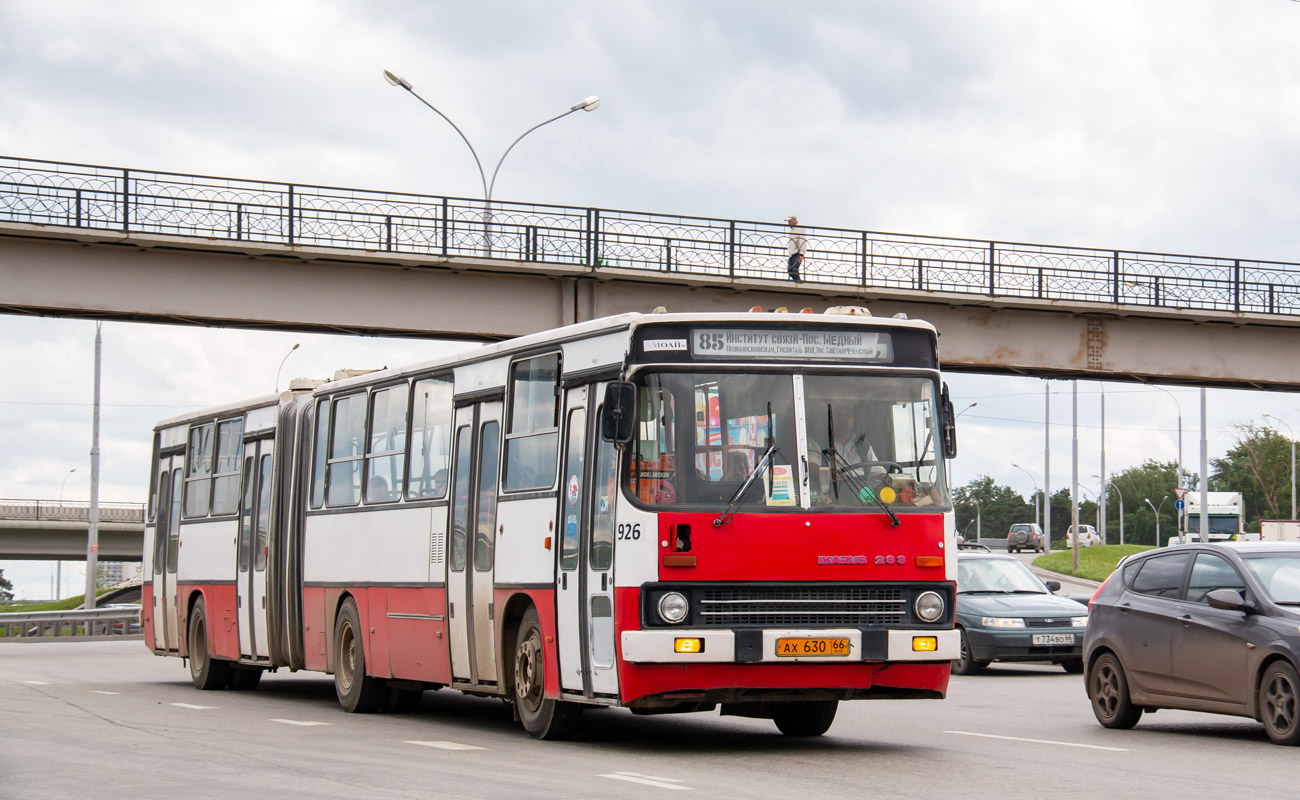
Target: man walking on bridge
[[798, 246]]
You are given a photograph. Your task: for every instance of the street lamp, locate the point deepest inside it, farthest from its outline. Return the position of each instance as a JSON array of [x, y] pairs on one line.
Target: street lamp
[[65, 483], [1157, 510], [277, 372], [1112, 485], [587, 104], [1180, 433], [978, 524], [1036, 493], [951, 484], [1292, 432]]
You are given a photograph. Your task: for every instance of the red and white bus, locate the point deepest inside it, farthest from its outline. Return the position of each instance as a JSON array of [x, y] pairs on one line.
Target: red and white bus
[[667, 512]]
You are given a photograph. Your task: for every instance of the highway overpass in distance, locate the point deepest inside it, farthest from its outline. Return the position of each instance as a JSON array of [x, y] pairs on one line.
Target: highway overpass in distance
[[48, 530]]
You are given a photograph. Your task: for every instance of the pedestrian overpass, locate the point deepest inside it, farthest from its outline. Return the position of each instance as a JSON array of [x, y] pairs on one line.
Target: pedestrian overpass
[[109, 243]]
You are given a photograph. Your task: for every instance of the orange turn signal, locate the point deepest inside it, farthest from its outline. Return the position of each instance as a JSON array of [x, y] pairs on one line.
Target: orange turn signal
[[547, 543], [929, 561], [925, 644], [688, 645]]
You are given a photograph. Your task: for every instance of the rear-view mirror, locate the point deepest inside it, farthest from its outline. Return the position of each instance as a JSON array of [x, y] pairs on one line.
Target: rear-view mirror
[[1227, 600], [947, 425], [618, 415], [1052, 586]]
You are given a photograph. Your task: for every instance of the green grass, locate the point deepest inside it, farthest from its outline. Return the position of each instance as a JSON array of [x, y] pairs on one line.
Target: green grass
[[1095, 563]]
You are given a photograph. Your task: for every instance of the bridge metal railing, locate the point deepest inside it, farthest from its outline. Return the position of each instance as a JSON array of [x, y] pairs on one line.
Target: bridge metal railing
[[69, 511], [236, 210], [77, 623]]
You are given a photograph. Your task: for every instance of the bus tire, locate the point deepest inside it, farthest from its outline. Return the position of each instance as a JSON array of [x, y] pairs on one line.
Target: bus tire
[[244, 679], [206, 672], [542, 717], [804, 718], [402, 701], [357, 691]]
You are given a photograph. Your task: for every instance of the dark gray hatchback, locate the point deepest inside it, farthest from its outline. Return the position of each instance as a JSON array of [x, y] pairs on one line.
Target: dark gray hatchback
[[1212, 627]]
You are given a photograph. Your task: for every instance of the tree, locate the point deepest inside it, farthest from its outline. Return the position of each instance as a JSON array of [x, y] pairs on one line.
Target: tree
[[1154, 481], [1260, 468], [6, 588], [999, 507]]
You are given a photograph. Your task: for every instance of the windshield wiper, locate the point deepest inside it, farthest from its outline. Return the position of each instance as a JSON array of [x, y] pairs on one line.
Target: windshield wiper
[[846, 474], [749, 480]]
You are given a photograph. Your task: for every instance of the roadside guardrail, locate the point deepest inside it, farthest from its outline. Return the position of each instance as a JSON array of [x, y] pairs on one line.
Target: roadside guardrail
[[77, 623]]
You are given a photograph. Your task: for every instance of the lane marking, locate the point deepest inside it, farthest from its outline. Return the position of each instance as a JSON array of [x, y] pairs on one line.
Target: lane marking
[[191, 705], [38, 683], [101, 691], [1041, 741], [447, 745], [648, 780], [303, 722]]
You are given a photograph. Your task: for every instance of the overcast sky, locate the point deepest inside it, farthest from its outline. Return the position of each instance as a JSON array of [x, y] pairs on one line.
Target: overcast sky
[[1162, 125]]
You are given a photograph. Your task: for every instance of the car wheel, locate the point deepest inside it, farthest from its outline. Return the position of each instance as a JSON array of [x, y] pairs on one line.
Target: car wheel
[[1279, 703], [1108, 691], [1074, 666], [964, 664], [804, 718]]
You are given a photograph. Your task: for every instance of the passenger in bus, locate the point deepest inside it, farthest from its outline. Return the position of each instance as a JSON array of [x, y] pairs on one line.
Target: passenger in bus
[[440, 483], [377, 490]]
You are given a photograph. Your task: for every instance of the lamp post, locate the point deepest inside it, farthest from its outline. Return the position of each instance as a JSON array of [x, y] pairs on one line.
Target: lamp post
[[952, 485], [1180, 434], [1036, 491], [277, 371], [1112, 485], [65, 483], [979, 534], [1157, 510], [1292, 432], [588, 104]]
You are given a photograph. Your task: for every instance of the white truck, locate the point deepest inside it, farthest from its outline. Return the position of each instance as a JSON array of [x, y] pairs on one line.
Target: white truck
[[1227, 517], [1279, 530]]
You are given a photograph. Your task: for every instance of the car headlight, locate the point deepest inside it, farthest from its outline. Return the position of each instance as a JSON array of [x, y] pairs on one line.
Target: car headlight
[[673, 607], [1079, 622], [929, 606], [1002, 622]]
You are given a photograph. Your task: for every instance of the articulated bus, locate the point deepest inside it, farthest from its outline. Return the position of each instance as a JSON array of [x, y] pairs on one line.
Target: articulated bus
[[666, 512]]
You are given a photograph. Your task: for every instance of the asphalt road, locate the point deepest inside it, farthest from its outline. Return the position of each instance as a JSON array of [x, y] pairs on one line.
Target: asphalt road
[[108, 719]]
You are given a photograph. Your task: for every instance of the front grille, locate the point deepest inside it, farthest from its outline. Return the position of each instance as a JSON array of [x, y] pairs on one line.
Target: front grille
[[1057, 622], [801, 606]]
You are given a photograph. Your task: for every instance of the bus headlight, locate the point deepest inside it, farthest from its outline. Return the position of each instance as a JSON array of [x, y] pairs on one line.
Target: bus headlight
[[929, 606], [673, 607]]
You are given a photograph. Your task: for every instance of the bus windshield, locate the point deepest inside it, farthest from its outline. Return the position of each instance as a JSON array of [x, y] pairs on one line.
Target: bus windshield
[[867, 439]]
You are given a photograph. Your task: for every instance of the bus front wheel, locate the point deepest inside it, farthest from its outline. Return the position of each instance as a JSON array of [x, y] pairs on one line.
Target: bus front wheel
[[542, 717], [804, 718]]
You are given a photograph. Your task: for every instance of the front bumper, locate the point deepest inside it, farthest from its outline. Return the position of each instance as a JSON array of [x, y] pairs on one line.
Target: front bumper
[[1017, 644], [760, 646]]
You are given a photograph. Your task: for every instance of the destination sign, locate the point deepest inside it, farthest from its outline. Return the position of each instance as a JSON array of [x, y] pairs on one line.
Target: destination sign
[[823, 345]]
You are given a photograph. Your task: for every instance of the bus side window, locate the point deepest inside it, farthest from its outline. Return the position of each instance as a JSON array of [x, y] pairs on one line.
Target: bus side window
[[431, 409], [533, 431], [198, 471], [344, 471]]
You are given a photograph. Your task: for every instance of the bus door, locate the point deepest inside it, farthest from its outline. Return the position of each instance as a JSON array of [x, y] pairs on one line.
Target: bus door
[[574, 525], [585, 568], [473, 542], [166, 544], [254, 524], [598, 584]]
